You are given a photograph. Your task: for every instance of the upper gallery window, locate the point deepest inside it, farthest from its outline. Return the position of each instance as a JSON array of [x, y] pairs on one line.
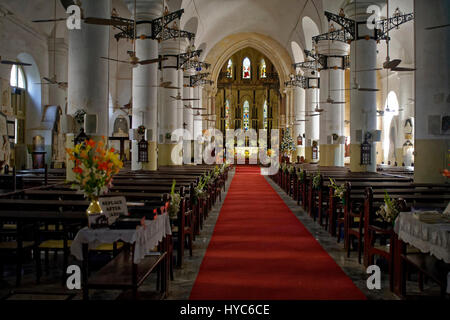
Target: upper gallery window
[[17, 78], [230, 69], [263, 70], [246, 68]]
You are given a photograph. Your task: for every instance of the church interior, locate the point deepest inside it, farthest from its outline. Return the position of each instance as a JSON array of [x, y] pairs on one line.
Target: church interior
[[224, 150]]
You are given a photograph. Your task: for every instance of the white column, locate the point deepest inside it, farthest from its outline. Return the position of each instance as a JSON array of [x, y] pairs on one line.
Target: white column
[[169, 106], [332, 85], [145, 78], [406, 105], [313, 125], [198, 120], [88, 74], [432, 80], [363, 115], [299, 126], [188, 114]]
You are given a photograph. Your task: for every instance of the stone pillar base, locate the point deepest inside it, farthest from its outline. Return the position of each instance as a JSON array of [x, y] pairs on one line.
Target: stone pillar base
[[170, 154], [399, 157], [332, 155], [355, 160], [431, 158]]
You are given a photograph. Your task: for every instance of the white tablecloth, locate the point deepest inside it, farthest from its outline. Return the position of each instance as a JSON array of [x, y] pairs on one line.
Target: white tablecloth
[[427, 237], [145, 239]]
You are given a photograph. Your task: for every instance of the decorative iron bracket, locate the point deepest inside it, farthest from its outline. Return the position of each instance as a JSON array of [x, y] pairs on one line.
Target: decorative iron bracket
[[199, 79], [385, 25], [297, 81], [183, 58], [157, 25], [169, 33], [195, 64], [312, 65]]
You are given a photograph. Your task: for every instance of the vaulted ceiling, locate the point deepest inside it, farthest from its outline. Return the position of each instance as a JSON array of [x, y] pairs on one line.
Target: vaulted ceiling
[[213, 20]]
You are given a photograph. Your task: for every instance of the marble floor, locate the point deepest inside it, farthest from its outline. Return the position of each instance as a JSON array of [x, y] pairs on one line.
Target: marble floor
[[184, 277]]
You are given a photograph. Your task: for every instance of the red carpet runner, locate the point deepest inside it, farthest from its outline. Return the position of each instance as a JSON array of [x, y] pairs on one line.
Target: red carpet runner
[[260, 250]]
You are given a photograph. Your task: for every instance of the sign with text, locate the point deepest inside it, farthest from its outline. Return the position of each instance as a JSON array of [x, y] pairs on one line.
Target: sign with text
[[113, 207]]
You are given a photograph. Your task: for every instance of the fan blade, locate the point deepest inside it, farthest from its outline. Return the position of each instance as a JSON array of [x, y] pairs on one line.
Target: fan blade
[[190, 99], [111, 59], [366, 70], [51, 81], [437, 27], [49, 20], [15, 62], [368, 89], [403, 69], [391, 63], [171, 87], [152, 61], [105, 22], [198, 108], [176, 98]]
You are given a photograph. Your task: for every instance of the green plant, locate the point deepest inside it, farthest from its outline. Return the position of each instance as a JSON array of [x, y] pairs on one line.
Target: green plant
[[287, 144], [389, 211], [301, 174], [339, 191], [316, 180], [175, 200], [291, 169]]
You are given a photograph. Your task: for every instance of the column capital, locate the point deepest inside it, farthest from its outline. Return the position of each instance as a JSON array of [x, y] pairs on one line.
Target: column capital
[[358, 11], [333, 48], [145, 9]]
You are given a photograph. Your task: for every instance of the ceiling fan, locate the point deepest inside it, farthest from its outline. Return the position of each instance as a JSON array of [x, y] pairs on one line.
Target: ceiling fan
[[438, 27], [17, 63], [178, 97], [192, 108], [52, 80], [134, 61]]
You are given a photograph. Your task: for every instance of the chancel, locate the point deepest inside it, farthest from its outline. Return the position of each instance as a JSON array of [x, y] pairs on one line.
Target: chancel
[[224, 150]]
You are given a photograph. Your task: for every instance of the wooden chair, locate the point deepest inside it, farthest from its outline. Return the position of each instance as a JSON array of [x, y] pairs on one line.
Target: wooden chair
[[354, 224], [15, 245]]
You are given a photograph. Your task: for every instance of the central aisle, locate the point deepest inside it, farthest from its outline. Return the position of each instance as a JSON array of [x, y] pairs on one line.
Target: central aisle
[[260, 250]]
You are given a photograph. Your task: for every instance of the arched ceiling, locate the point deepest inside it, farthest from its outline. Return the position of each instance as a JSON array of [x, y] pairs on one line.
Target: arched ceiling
[[214, 20]]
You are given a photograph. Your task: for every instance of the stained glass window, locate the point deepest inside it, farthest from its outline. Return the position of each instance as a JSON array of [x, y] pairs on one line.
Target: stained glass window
[[265, 114], [263, 70], [227, 114], [246, 115], [230, 69], [246, 68]]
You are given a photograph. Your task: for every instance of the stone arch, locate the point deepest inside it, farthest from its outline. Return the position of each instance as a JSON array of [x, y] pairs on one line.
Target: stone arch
[[310, 30], [229, 45]]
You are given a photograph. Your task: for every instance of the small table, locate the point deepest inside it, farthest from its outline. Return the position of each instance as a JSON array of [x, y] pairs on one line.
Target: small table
[[428, 236], [130, 268]]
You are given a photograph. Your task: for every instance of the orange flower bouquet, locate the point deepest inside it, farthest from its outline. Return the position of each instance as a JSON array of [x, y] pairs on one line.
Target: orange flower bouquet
[[94, 168]]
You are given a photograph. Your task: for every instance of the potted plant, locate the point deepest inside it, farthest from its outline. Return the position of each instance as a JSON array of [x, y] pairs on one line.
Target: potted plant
[[339, 191], [389, 211], [317, 180], [95, 166], [175, 200]]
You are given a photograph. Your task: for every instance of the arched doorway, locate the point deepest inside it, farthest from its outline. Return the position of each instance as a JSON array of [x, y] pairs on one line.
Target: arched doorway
[[390, 128]]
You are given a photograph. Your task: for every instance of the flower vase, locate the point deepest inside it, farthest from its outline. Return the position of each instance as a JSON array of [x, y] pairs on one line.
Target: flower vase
[[93, 211]]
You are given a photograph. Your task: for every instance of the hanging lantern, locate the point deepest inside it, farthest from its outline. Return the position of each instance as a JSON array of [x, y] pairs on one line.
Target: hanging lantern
[[142, 151], [299, 140], [80, 138], [315, 151], [366, 151]]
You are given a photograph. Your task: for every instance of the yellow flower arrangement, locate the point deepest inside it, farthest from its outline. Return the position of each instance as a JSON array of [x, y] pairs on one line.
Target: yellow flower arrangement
[[94, 168]]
